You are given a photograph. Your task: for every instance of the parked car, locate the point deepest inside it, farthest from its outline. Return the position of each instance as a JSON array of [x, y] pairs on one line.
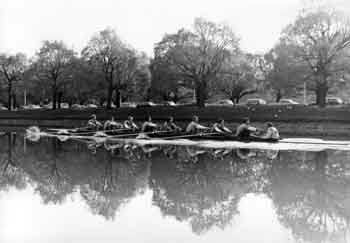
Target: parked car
[[167, 103], [28, 107], [145, 104], [128, 104], [285, 102], [222, 103], [77, 107], [255, 101], [64, 105], [334, 101], [91, 106]]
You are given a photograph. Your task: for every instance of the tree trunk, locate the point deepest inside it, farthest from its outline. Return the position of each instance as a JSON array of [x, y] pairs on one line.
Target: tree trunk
[[321, 94], [9, 93], [54, 101], [201, 93], [109, 94], [117, 98], [278, 96], [59, 99], [14, 100]]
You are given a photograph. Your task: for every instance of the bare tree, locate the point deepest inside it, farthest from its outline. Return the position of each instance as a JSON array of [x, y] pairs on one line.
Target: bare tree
[[12, 68], [321, 40], [198, 55], [52, 63]]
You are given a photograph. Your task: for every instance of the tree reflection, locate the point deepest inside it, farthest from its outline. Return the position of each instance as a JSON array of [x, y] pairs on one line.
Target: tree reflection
[[195, 188], [10, 174], [312, 195], [199, 186]]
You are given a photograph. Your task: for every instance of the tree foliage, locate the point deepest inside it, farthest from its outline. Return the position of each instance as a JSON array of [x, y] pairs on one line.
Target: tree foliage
[[12, 68], [53, 64], [198, 55], [321, 40]]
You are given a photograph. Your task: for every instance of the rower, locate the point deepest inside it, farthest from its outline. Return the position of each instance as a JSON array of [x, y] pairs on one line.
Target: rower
[[93, 123], [130, 124], [171, 126], [149, 125], [271, 133], [245, 130], [112, 125], [194, 126], [220, 127]]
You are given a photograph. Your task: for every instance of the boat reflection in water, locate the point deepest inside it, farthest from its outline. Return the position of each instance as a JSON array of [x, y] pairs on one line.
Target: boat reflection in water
[[203, 188]]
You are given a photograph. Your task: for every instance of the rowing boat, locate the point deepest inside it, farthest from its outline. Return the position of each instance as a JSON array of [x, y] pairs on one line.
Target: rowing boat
[[211, 140]]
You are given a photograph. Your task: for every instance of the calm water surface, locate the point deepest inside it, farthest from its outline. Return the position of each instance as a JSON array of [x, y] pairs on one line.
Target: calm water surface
[[75, 191]]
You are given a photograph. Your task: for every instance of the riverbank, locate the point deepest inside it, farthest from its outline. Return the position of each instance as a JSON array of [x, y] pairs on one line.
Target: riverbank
[[291, 121]]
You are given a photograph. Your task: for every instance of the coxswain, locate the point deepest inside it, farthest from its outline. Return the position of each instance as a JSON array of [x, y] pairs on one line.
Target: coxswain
[[130, 124], [149, 125], [195, 127], [244, 130], [220, 127], [112, 125], [271, 132], [93, 123], [171, 126]]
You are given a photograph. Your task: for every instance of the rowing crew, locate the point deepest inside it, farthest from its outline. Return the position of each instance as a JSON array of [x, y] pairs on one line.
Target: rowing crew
[[244, 131]]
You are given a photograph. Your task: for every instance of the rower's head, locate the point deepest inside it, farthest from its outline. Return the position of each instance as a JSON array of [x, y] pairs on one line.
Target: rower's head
[[93, 116], [130, 118], [246, 120], [269, 124], [171, 119], [149, 119], [112, 118], [195, 118], [221, 121]]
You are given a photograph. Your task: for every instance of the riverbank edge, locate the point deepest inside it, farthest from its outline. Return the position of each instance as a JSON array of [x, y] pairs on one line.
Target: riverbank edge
[[291, 120]]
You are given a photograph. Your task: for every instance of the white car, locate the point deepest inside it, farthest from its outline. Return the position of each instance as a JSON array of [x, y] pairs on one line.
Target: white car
[[92, 106], [256, 101], [222, 103], [334, 101], [128, 104], [286, 102]]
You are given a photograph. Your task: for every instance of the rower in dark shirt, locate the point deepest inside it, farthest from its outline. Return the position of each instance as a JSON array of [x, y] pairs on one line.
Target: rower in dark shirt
[[244, 130], [93, 123]]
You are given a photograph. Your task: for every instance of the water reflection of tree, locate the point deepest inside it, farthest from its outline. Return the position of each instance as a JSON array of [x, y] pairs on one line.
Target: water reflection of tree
[[10, 173], [205, 193], [57, 170], [312, 195]]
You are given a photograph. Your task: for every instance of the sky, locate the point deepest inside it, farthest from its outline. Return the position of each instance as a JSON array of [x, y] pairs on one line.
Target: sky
[[25, 24]]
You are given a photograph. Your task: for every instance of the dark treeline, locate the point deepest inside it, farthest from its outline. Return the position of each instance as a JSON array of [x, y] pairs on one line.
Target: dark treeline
[[201, 62]]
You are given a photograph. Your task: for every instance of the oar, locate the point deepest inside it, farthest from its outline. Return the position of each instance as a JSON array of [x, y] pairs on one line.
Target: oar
[[192, 135], [89, 132], [135, 134]]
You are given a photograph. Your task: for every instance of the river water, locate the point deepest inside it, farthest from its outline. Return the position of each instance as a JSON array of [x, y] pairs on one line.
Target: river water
[[80, 191]]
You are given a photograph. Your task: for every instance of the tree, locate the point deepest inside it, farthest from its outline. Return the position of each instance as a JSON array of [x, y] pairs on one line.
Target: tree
[[116, 61], [321, 41], [238, 78], [12, 68], [198, 56], [53, 63], [283, 73]]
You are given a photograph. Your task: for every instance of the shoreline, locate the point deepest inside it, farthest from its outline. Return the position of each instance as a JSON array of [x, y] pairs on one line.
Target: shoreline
[[291, 121]]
